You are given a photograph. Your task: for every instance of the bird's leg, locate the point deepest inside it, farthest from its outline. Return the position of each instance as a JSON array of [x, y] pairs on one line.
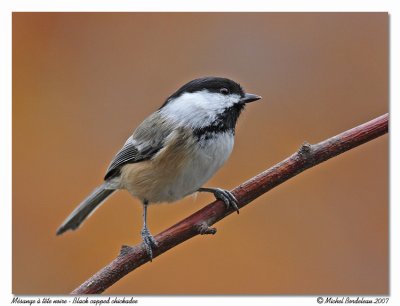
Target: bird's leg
[[224, 195], [148, 239]]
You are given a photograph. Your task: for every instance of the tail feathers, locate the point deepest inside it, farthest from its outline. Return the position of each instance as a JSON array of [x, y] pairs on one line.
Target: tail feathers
[[85, 208]]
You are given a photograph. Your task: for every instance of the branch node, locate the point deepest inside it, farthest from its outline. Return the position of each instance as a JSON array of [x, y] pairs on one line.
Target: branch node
[[125, 249], [204, 229], [305, 150], [306, 153]]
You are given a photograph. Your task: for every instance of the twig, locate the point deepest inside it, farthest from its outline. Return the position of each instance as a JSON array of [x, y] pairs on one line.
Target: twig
[[199, 223]]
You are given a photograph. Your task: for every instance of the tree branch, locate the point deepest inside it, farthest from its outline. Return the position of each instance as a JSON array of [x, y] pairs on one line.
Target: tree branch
[[199, 223]]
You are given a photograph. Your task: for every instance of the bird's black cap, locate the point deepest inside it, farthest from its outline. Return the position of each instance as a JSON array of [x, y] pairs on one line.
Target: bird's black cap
[[211, 84]]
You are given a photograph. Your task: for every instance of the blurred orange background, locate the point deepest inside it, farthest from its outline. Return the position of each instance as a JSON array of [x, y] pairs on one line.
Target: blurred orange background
[[83, 81]]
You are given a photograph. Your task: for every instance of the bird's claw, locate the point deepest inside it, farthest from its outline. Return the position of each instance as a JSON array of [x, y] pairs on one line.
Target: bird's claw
[[228, 198], [149, 242]]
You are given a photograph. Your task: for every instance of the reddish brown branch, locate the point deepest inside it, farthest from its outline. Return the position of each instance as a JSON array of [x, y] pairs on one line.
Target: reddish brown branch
[[199, 223]]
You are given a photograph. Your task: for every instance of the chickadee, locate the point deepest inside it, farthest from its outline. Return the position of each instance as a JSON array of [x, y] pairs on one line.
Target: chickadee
[[174, 151]]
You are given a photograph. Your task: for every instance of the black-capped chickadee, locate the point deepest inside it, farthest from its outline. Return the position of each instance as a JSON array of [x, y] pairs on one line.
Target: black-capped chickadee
[[174, 151]]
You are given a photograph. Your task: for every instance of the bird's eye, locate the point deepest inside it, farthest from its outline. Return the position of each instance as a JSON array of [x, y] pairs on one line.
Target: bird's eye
[[224, 91]]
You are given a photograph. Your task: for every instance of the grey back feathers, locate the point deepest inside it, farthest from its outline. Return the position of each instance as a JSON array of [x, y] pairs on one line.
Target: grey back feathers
[[145, 142]]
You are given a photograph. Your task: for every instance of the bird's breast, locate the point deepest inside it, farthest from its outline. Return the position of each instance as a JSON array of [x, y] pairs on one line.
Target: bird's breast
[[180, 168], [209, 154]]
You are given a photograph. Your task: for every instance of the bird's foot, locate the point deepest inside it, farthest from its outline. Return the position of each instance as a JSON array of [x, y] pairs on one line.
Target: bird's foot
[[226, 196], [148, 241]]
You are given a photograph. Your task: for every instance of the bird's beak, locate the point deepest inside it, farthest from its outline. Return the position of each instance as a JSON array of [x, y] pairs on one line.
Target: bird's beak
[[249, 98]]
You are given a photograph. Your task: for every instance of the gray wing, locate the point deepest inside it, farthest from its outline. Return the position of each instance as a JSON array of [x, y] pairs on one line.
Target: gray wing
[[145, 142]]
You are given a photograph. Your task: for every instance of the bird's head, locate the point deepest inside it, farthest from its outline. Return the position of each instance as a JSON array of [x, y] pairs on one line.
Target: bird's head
[[207, 101]]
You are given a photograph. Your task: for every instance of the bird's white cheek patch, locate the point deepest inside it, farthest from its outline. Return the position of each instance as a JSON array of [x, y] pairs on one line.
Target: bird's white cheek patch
[[198, 109]]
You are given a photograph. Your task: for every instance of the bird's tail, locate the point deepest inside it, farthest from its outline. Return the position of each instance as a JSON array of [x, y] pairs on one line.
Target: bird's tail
[[85, 208]]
